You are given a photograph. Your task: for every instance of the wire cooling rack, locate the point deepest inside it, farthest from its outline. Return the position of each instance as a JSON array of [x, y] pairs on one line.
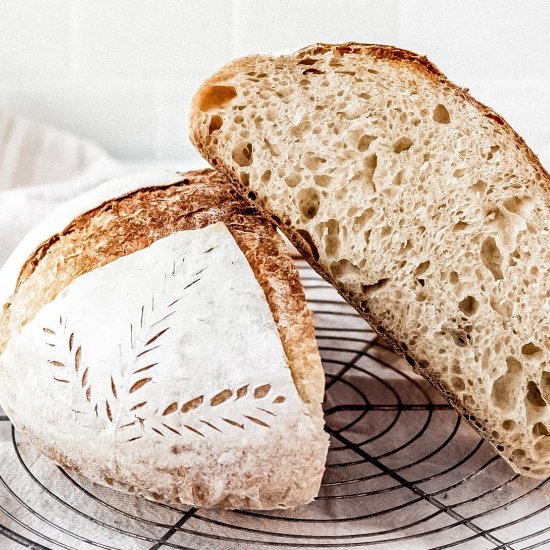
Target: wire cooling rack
[[403, 469]]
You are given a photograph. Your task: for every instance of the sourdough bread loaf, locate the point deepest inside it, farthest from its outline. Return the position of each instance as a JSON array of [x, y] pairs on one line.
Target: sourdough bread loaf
[[422, 206], [155, 338]]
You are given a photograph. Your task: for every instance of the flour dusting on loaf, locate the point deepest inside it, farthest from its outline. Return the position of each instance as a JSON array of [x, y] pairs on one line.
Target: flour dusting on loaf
[[166, 370]]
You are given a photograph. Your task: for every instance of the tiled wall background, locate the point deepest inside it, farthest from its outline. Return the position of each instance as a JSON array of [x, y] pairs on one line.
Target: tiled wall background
[[121, 72]]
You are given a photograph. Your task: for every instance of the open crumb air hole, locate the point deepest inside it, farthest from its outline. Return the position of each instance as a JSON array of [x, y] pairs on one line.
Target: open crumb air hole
[[242, 154], [402, 144], [441, 114], [503, 394], [309, 201], [216, 97], [492, 257]]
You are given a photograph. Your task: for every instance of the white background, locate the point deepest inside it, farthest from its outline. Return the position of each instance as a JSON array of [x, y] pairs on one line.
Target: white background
[[122, 72]]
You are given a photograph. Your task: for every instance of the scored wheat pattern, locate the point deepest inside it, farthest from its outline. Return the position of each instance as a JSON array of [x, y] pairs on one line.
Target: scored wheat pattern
[[170, 418], [70, 370], [153, 332], [165, 416], [226, 396]]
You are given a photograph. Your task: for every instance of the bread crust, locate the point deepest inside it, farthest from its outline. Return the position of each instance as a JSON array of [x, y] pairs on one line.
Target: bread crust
[[307, 248], [126, 224]]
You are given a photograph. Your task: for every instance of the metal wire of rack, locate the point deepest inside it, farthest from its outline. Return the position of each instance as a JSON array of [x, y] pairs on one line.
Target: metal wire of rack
[[403, 469]]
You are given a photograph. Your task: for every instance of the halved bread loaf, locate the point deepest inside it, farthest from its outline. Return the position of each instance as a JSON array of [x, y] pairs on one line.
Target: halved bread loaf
[[155, 337], [421, 205]]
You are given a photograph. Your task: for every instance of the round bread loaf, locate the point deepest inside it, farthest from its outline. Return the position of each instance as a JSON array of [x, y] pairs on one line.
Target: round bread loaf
[[155, 338]]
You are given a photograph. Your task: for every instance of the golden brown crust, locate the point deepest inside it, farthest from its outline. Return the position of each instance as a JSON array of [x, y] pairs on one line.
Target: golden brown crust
[[130, 223], [427, 69]]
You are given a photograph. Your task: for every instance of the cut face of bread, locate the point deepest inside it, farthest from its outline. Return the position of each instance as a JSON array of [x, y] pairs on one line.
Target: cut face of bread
[[159, 326], [422, 206]]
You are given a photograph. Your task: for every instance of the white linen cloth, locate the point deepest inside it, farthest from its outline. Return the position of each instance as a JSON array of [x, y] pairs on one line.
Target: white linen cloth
[[41, 167]]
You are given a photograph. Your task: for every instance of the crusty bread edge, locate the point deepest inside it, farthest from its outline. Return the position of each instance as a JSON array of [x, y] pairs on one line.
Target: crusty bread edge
[[428, 69]]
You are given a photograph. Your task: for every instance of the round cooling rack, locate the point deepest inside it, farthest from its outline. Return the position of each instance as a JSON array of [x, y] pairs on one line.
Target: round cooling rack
[[403, 471]]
